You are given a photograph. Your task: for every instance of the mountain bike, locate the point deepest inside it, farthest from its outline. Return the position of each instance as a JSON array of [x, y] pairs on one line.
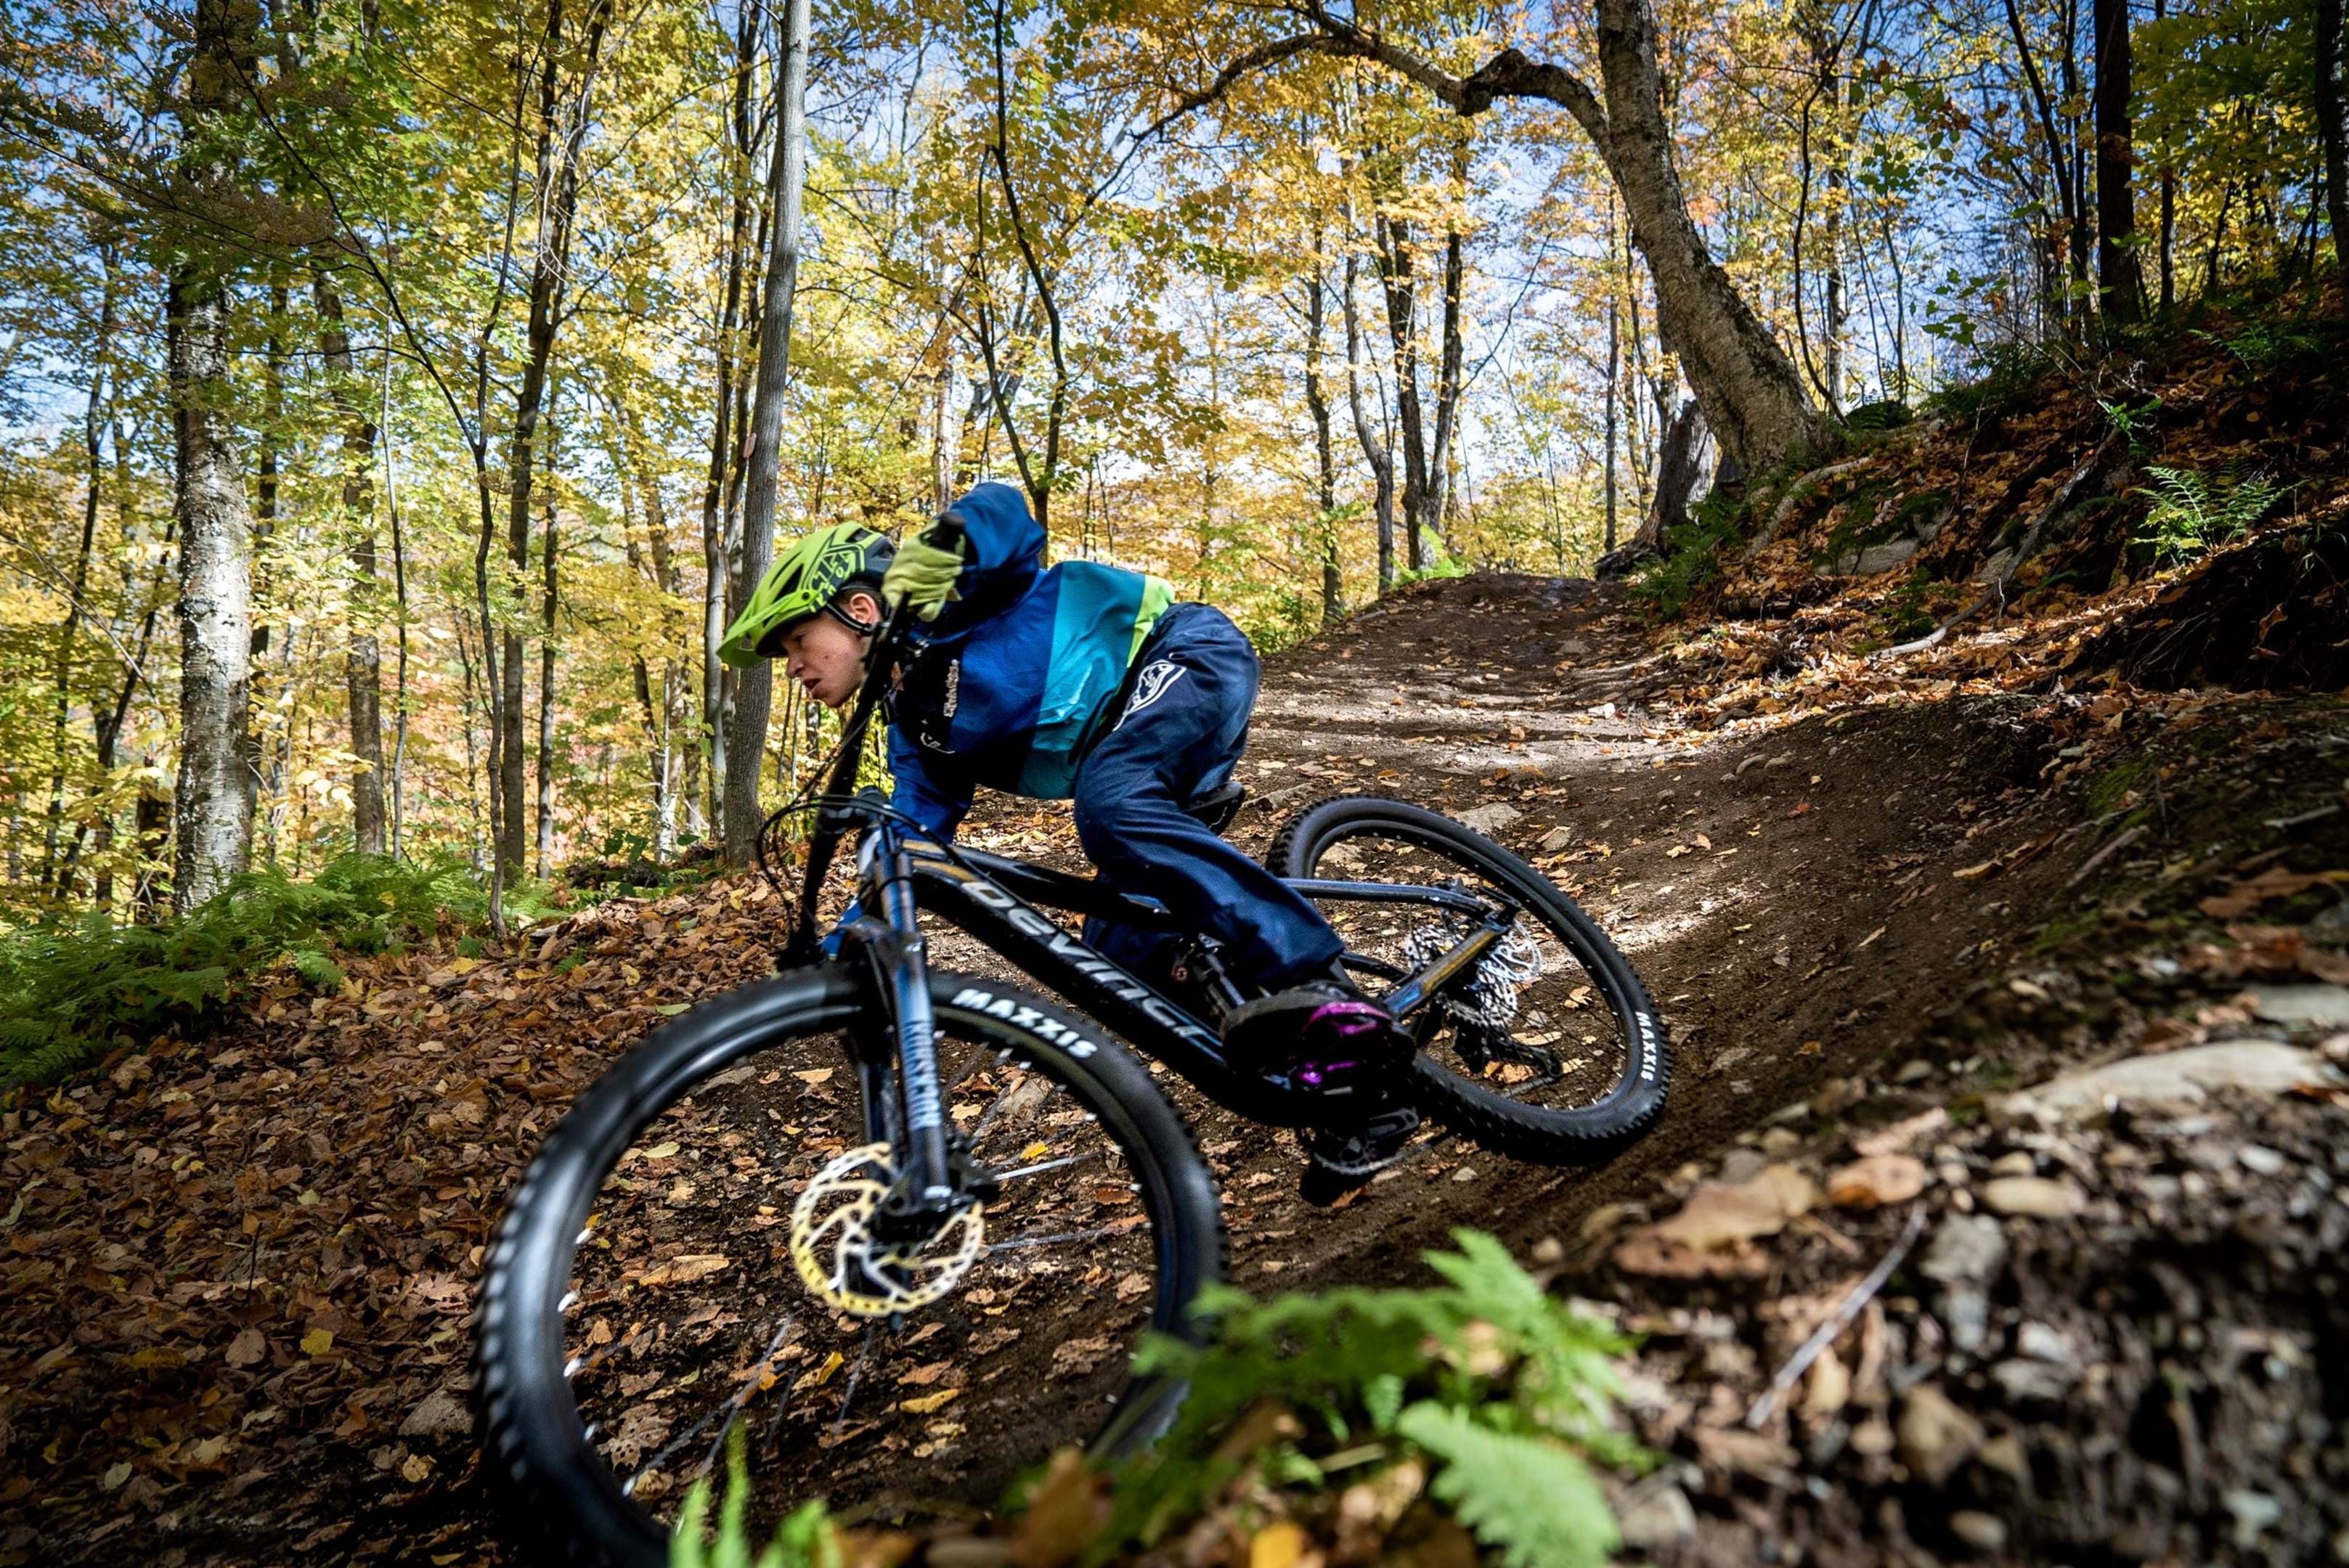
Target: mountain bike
[[901, 1227]]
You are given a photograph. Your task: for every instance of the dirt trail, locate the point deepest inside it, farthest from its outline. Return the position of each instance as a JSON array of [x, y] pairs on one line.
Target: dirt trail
[[1511, 698], [1848, 919]]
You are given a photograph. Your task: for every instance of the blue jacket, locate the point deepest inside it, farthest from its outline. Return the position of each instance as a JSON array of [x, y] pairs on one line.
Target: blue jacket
[[1017, 676]]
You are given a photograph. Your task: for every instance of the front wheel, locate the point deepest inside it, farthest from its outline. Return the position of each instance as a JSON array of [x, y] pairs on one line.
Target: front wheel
[[1550, 1051], [680, 1261]]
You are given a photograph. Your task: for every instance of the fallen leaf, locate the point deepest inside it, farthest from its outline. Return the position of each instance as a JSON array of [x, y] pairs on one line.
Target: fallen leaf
[[930, 1403], [1900, 1135], [1711, 1233], [2275, 883], [415, 1467], [1075, 1358], [1279, 1545], [1066, 1511], [1877, 1181], [246, 1348], [1743, 1452], [685, 1268], [1828, 1388], [317, 1341], [1975, 873], [814, 1076]]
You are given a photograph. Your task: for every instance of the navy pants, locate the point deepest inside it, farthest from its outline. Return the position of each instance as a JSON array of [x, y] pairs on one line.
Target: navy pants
[[1182, 731]]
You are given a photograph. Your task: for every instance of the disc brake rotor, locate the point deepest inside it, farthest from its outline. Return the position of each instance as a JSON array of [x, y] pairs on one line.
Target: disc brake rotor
[[851, 1269]]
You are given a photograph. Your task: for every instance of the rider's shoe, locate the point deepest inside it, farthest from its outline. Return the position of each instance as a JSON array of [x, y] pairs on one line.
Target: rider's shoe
[[1321, 1035], [1343, 1159]]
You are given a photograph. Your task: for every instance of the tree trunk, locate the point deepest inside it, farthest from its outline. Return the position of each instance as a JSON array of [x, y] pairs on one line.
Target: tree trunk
[[714, 673], [400, 603], [1614, 373], [473, 799], [755, 688], [1745, 387], [273, 433], [93, 436], [1750, 392], [151, 833], [558, 187], [656, 562], [1375, 449], [1439, 454], [1392, 239], [2120, 287], [213, 806], [363, 655], [946, 421], [549, 602], [2336, 142], [1837, 328], [1325, 461], [1681, 467]]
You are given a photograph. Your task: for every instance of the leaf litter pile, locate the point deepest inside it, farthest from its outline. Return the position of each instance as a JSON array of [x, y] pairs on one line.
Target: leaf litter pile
[[231, 1264], [2150, 524]]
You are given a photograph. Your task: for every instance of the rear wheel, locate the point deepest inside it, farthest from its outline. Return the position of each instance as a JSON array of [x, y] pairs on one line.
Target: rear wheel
[[682, 1262], [1550, 1051]]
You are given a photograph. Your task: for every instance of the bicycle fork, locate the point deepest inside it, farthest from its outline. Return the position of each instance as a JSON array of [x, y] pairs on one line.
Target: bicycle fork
[[929, 1188]]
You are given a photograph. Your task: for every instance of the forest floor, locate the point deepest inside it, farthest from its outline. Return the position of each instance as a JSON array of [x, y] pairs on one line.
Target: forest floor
[[1881, 916]]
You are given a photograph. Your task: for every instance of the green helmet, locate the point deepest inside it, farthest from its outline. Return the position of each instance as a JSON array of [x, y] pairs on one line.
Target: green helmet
[[803, 581]]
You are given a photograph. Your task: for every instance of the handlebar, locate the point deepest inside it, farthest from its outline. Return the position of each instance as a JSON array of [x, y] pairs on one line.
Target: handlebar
[[880, 660]]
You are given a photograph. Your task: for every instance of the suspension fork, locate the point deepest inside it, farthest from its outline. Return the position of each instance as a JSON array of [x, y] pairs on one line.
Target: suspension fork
[[898, 953]]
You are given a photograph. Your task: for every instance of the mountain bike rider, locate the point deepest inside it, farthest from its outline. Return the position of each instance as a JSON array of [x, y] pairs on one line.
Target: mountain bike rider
[[1086, 682]]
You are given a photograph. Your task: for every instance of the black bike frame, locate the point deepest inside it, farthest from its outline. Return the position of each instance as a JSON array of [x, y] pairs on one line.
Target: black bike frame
[[900, 872], [981, 893]]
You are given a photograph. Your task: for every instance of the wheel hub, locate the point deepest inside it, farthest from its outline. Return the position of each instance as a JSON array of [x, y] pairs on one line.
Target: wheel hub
[[842, 1259]]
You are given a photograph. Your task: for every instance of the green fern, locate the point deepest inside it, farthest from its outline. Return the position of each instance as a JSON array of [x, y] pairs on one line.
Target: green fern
[[2193, 513], [1529, 1498], [71, 990], [322, 972], [804, 1539], [1488, 1344]]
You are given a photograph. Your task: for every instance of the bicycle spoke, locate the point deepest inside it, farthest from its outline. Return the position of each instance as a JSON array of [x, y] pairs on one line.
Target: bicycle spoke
[[1494, 1026], [1048, 1165], [1016, 1242], [685, 1310], [743, 1396], [855, 1375], [729, 1408]]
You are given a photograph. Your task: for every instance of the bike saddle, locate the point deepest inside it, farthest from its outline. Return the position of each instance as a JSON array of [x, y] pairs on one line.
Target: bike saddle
[[1218, 806]]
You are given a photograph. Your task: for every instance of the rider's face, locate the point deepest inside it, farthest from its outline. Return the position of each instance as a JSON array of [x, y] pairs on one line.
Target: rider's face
[[827, 658]]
